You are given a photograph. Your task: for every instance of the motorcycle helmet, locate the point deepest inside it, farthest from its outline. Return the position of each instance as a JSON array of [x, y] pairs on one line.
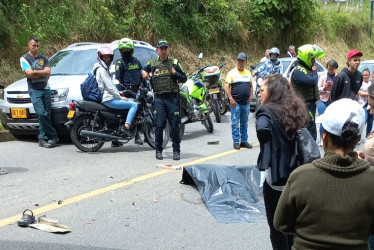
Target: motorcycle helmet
[[274, 51], [105, 51], [126, 48], [307, 53]]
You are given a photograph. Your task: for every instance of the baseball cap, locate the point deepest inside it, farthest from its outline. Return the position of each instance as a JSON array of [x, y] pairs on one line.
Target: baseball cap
[[340, 112], [242, 56], [353, 53], [162, 43]]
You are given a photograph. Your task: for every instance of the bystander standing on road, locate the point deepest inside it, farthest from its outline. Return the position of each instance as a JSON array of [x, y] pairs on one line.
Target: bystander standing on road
[[363, 100], [239, 89], [276, 129], [369, 145], [304, 79], [166, 73], [348, 82], [291, 52], [266, 57], [324, 86], [328, 204], [37, 70]]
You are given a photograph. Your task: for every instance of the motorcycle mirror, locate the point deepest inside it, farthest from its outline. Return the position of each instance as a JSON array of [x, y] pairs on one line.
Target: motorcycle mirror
[[222, 60], [277, 62], [252, 67], [200, 56], [2, 87]]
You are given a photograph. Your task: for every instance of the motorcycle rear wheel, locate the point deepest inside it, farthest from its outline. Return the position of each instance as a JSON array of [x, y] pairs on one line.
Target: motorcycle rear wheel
[[86, 144], [224, 103], [208, 123], [216, 110], [150, 135]]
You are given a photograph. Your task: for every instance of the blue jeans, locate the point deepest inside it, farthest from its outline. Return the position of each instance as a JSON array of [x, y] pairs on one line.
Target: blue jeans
[[239, 122], [41, 100], [371, 243], [321, 106], [122, 104], [368, 120]]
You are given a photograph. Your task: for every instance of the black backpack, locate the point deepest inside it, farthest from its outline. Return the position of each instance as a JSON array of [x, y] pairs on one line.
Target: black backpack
[[90, 89]]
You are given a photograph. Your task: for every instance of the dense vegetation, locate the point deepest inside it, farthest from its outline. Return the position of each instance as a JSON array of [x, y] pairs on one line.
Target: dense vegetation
[[205, 25]]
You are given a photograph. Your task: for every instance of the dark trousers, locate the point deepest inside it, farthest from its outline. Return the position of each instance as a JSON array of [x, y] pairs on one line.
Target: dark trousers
[[279, 241], [41, 100], [312, 128], [167, 109]]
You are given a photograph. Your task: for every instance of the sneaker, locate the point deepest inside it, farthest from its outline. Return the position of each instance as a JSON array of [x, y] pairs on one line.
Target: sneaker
[[138, 140], [126, 131], [159, 155], [176, 156], [245, 145], [44, 144], [236, 146], [54, 141], [116, 144]]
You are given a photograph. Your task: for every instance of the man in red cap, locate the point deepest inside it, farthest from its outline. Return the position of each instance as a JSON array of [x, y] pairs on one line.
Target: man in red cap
[[348, 82]]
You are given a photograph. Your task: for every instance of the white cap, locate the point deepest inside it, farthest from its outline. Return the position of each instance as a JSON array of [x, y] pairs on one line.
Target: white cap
[[340, 112]]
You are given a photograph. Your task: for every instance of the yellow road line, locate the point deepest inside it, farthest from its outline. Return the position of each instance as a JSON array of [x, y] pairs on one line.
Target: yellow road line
[[99, 191]]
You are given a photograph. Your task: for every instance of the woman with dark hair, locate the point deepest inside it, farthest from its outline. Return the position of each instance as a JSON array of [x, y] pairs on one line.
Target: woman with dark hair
[[328, 204], [280, 115]]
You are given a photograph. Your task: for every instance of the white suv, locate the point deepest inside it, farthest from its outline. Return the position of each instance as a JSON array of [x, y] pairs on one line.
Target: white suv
[[69, 67]]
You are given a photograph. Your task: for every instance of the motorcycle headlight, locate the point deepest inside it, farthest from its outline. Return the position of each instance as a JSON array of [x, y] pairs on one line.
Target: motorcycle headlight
[[59, 95]]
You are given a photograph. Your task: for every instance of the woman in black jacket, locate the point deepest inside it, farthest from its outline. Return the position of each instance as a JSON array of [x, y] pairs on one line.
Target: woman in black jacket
[[280, 115]]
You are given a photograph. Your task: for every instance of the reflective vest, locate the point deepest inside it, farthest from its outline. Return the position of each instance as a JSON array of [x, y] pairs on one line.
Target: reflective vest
[[162, 78]]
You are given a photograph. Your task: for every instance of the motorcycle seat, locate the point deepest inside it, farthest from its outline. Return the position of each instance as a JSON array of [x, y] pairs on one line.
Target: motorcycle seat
[[94, 106]]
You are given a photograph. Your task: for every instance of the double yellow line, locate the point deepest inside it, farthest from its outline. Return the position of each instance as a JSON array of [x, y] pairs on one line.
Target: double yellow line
[[99, 191]]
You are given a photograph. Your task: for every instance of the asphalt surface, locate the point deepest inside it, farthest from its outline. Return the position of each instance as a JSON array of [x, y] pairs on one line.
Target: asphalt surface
[[118, 199]]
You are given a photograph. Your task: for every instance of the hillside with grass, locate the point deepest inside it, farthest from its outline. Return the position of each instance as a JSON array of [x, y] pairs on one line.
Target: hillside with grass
[[215, 27]]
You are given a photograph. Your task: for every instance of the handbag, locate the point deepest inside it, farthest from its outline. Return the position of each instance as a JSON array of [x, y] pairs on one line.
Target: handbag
[[306, 148]]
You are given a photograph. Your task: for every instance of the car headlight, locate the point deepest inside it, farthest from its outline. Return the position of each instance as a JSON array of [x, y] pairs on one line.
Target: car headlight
[[59, 95]]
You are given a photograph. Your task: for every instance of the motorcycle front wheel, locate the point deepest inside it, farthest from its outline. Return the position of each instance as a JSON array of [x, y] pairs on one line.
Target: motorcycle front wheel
[[86, 144], [208, 123], [150, 135]]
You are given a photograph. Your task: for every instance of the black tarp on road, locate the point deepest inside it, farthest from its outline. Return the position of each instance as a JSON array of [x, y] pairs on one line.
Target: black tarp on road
[[231, 193]]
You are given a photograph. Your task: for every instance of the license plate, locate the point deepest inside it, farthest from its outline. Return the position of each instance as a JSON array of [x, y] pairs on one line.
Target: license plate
[[71, 114], [214, 91], [18, 113]]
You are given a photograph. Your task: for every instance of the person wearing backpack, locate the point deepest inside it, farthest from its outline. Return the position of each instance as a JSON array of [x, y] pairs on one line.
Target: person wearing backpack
[[111, 95], [276, 129], [129, 75]]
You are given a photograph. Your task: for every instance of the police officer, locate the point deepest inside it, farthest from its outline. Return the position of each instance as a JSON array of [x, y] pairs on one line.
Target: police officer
[[166, 73], [129, 74]]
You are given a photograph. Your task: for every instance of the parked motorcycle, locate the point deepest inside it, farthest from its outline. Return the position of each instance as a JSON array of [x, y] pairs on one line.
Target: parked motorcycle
[[216, 94], [194, 106], [258, 79], [91, 124]]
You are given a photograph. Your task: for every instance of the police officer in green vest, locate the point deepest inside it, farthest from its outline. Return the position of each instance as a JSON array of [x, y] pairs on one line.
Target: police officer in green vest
[[166, 73]]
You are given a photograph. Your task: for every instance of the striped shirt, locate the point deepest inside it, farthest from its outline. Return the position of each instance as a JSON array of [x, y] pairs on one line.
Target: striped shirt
[[240, 85]]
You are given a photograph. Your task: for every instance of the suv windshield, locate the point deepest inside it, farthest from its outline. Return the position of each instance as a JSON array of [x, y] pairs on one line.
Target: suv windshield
[[73, 62]]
